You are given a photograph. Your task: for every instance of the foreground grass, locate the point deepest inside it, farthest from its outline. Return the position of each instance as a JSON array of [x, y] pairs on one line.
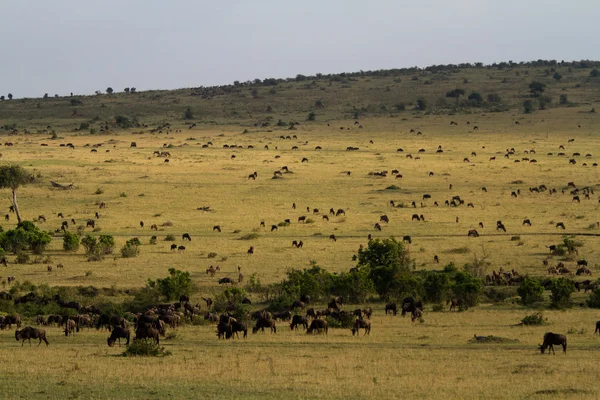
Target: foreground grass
[[430, 360]]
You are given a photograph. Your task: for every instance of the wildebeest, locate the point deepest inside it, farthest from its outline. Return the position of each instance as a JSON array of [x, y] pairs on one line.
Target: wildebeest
[[91, 223], [29, 333], [181, 248], [217, 228], [225, 280], [377, 226], [473, 233], [597, 331], [237, 327], [391, 307], [527, 222], [384, 218], [173, 247], [361, 324], [550, 339], [186, 236], [318, 325], [251, 250], [118, 333], [145, 332], [298, 320], [70, 327], [298, 304], [407, 239], [263, 323], [560, 225]]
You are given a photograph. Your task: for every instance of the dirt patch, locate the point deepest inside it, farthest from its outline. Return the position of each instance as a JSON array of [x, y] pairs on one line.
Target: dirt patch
[[491, 339]]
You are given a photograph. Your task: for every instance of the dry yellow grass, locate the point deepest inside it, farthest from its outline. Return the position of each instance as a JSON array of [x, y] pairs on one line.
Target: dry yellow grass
[[429, 360]]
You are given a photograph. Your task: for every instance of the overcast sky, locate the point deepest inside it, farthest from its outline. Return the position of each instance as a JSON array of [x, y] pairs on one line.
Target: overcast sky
[[80, 46]]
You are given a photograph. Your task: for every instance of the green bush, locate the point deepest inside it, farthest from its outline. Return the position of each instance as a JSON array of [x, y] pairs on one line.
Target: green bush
[[561, 289], [530, 291], [250, 236], [70, 241], [172, 287], [26, 236], [170, 238], [594, 300], [97, 248], [145, 348], [130, 250], [354, 287], [528, 106], [22, 258], [467, 288], [346, 321], [534, 319], [436, 287]]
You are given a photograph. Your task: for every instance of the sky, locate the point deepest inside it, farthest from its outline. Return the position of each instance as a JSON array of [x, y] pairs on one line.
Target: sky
[[64, 46]]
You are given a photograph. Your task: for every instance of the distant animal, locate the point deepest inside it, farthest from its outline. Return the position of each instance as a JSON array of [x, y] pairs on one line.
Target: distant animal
[[527, 222], [361, 324], [319, 326], [118, 333], [217, 228], [473, 233], [251, 250], [186, 236], [407, 239], [173, 247], [298, 320]]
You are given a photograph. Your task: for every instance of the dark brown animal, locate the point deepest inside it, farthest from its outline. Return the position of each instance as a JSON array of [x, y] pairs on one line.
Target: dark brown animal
[[118, 333], [361, 324], [550, 339], [298, 320], [318, 326], [29, 333]]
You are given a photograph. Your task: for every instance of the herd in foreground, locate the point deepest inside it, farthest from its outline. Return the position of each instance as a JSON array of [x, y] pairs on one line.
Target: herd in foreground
[[152, 323]]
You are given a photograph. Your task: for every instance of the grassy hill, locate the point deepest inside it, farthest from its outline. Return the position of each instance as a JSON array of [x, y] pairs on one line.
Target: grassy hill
[[384, 93]]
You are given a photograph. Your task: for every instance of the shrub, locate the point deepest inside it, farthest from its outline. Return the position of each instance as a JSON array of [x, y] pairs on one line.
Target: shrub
[[436, 287], [123, 122], [594, 300], [421, 105], [97, 248], [528, 106], [145, 348], [170, 238], [537, 88], [354, 287], [594, 73], [26, 236], [530, 291], [564, 99], [211, 255], [561, 289], [467, 288], [188, 114], [176, 284], [311, 116], [70, 241], [130, 250], [152, 240], [250, 236], [534, 319], [494, 98], [346, 321], [99, 191], [22, 258]]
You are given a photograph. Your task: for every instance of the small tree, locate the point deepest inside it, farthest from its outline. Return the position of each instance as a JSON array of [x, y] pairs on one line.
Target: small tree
[[456, 93], [126, 90], [188, 114], [254, 93], [45, 96], [594, 73], [530, 291], [176, 284], [10, 96], [594, 300], [561, 289], [537, 88], [557, 77], [12, 177], [70, 241], [311, 116], [564, 99], [475, 99], [528, 106], [109, 90], [1, 98], [421, 105], [544, 101]]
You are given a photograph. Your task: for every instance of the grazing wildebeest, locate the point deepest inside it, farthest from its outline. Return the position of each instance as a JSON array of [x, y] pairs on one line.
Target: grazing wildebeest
[[384, 218], [597, 331], [377, 226], [340, 212], [582, 263], [473, 233], [367, 312], [407, 239], [436, 259], [273, 228], [251, 250], [237, 327], [145, 332], [263, 323], [186, 236], [208, 301], [91, 223], [217, 228], [332, 237], [29, 333], [298, 304], [302, 219], [181, 248], [118, 333], [416, 216], [500, 226], [361, 324], [391, 307], [550, 339], [560, 225], [318, 325], [225, 280], [299, 320], [527, 222]]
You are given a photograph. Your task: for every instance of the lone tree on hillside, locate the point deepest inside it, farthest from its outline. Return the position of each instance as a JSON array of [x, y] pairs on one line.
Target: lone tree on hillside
[[188, 114], [12, 177], [557, 77], [456, 93], [537, 88], [109, 90], [10, 96]]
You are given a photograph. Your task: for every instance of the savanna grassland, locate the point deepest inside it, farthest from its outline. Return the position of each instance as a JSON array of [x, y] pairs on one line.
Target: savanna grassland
[[431, 359]]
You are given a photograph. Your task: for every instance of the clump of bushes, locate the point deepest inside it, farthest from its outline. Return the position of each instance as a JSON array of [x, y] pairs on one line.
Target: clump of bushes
[[131, 248], [145, 348], [535, 319], [250, 236], [561, 289], [70, 241], [530, 291]]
